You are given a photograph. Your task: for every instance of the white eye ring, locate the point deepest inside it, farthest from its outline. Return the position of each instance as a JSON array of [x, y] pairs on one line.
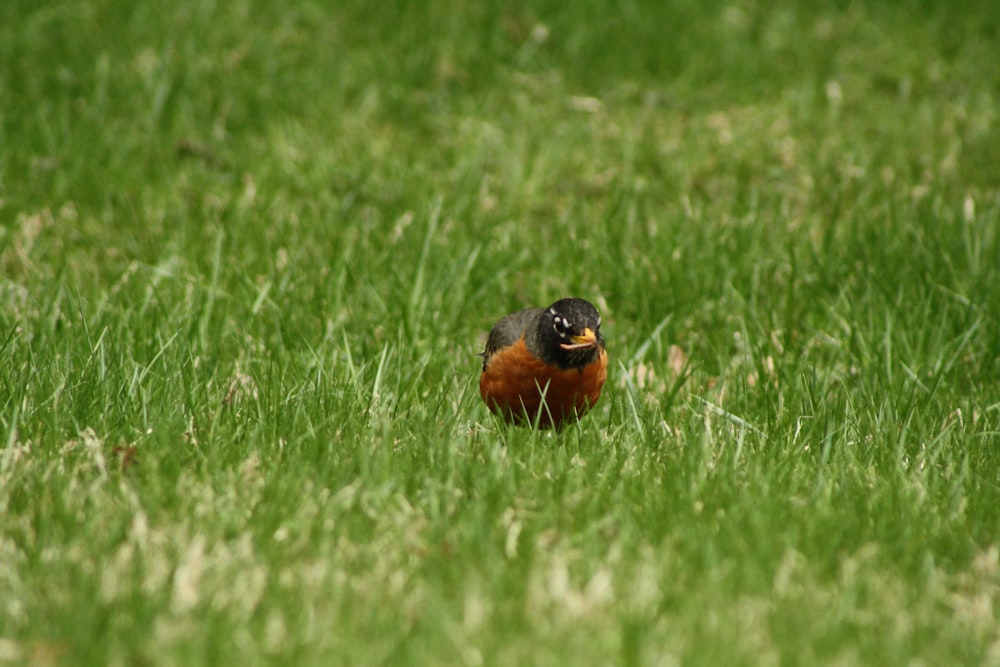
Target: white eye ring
[[560, 325]]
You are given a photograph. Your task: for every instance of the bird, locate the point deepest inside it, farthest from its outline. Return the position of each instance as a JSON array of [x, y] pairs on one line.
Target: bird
[[545, 366]]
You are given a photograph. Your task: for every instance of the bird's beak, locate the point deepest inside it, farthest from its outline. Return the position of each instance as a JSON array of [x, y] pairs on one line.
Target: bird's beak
[[584, 341]]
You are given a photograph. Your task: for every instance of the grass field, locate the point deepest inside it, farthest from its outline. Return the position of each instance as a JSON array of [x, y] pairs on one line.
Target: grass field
[[249, 251]]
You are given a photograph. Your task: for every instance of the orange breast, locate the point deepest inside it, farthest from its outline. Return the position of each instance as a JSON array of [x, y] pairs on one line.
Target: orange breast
[[517, 385]]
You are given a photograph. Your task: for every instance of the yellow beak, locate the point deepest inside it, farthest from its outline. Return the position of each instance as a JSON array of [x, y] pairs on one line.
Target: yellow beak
[[584, 341]]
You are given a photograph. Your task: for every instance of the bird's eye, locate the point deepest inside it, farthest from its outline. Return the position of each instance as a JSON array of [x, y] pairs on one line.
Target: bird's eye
[[561, 326]]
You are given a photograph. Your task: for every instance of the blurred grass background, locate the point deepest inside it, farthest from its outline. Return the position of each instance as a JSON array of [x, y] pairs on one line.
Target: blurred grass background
[[249, 251]]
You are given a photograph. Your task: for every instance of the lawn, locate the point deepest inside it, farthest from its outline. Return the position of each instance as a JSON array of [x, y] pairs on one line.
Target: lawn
[[249, 252]]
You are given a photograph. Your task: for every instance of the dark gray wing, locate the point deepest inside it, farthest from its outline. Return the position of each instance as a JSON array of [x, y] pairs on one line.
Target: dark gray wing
[[509, 329]]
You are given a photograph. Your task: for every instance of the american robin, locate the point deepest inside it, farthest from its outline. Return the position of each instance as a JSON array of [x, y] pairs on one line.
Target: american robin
[[545, 366]]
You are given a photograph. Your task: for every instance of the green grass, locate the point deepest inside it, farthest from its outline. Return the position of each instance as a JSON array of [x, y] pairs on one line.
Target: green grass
[[248, 253]]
